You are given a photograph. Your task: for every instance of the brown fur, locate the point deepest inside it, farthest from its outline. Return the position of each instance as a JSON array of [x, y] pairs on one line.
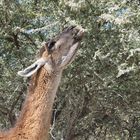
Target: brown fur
[[34, 120]]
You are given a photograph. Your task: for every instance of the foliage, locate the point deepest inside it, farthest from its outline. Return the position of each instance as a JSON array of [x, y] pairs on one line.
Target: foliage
[[99, 93]]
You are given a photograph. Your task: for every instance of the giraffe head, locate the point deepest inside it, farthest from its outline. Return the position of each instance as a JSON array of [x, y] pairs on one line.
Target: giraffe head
[[57, 53]]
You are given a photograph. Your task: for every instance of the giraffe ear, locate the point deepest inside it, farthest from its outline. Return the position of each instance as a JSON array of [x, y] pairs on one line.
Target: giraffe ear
[[32, 68]]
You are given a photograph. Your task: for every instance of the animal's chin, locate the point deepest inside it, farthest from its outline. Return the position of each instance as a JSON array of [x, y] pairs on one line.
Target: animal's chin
[[72, 58], [71, 54]]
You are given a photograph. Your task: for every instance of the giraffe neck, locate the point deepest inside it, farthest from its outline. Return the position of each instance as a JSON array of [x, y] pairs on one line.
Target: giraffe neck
[[35, 117]]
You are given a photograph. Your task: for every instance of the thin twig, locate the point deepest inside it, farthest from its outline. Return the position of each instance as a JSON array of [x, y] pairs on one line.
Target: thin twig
[[53, 125]]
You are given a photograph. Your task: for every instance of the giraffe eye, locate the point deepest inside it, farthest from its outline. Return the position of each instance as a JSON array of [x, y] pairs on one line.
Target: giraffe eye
[[51, 44]]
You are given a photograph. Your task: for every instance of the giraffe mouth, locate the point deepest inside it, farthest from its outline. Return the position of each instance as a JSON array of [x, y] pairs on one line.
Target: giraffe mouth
[[77, 36], [77, 32]]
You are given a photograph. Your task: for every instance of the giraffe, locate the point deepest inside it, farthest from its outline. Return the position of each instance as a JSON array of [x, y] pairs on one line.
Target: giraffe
[[35, 117]]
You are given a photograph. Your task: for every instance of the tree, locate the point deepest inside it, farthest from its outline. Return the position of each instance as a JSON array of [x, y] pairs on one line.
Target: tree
[[102, 86]]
